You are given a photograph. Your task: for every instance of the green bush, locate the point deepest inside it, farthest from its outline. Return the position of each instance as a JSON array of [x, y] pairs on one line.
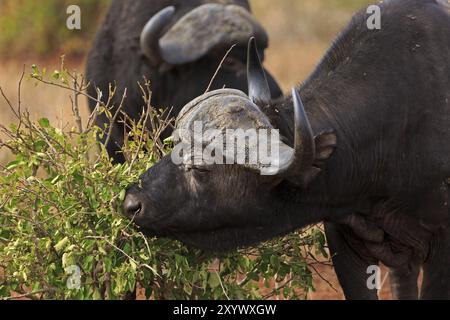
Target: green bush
[[60, 203]]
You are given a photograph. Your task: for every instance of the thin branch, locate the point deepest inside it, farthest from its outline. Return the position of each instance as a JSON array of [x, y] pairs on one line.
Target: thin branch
[[323, 278], [8, 102], [141, 139], [26, 295], [221, 284], [125, 254], [114, 118], [219, 67], [19, 98], [75, 106], [78, 91], [94, 114]]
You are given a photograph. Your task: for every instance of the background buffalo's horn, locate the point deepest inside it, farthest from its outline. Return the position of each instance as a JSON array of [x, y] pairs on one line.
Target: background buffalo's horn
[[258, 87], [211, 26], [304, 150], [152, 32]]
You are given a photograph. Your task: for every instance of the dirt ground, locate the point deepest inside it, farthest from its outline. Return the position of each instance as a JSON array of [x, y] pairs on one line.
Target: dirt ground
[[325, 292]]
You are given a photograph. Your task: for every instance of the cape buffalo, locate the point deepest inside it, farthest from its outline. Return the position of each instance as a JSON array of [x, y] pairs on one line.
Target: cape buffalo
[[177, 45], [366, 151]]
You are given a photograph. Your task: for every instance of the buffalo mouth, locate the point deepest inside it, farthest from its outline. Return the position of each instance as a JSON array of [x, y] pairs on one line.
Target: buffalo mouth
[[219, 240]]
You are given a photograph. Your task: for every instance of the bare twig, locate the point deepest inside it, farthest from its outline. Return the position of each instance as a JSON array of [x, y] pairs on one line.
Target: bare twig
[[323, 278], [219, 67], [141, 139], [113, 120], [19, 98], [78, 91], [94, 114], [26, 295], [8, 102], [222, 286], [383, 282], [125, 254], [75, 106]]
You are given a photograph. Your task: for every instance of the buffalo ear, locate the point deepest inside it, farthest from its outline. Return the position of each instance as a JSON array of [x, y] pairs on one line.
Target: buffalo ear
[[326, 143]]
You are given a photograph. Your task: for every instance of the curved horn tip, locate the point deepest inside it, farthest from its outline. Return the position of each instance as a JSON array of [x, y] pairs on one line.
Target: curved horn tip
[[159, 19], [169, 8], [304, 138], [251, 42], [258, 87], [299, 109], [300, 116], [152, 32]]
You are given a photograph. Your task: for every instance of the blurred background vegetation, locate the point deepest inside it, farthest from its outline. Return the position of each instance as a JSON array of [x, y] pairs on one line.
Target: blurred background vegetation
[[38, 28]]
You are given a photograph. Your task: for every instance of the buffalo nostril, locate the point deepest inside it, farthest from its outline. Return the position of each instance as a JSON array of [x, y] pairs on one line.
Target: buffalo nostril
[[132, 206]]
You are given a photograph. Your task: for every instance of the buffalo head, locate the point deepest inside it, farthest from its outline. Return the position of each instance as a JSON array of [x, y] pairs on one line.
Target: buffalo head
[[177, 38], [225, 202], [177, 45]]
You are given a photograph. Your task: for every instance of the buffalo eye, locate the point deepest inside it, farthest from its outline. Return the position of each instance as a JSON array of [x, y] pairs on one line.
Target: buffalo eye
[[201, 170], [201, 174], [196, 170]]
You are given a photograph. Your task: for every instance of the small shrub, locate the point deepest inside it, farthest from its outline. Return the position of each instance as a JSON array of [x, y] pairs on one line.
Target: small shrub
[[62, 235]]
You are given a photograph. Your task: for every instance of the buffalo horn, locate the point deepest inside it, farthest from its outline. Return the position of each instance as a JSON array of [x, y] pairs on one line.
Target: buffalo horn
[[303, 155], [258, 87], [152, 32]]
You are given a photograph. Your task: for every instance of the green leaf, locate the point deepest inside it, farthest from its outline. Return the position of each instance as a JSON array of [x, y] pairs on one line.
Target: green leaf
[[96, 295], [14, 164], [213, 281], [148, 292], [40, 145], [122, 195], [56, 179], [44, 123], [67, 260], [62, 244], [56, 74]]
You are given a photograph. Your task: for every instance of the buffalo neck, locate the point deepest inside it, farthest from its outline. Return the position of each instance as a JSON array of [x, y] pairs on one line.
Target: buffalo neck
[[348, 178]]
